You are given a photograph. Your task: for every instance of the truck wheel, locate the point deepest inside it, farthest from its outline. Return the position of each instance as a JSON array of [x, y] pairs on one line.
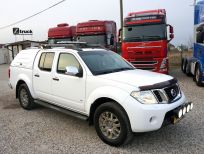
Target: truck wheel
[[188, 72], [198, 76], [112, 124], [183, 65], [25, 98]]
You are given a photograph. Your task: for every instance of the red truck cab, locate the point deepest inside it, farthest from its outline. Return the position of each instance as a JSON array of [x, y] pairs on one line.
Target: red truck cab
[[145, 40], [61, 34], [98, 32]]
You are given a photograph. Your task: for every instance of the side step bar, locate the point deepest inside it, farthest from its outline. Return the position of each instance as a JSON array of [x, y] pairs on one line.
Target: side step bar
[[60, 109]]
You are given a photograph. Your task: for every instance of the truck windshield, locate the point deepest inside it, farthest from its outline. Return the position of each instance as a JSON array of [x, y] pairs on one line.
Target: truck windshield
[[59, 40], [104, 62], [93, 39], [145, 33]]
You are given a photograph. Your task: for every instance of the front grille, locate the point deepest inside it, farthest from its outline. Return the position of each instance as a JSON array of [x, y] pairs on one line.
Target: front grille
[[172, 92], [144, 62], [167, 95]]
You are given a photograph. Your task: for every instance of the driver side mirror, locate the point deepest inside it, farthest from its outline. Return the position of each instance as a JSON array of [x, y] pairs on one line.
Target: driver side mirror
[[119, 35], [171, 29], [73, 71], [171, 36]]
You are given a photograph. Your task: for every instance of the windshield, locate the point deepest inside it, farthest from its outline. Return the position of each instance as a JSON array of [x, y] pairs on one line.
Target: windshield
[[145, 33], [59, 40], [104, 62], [93, 39]]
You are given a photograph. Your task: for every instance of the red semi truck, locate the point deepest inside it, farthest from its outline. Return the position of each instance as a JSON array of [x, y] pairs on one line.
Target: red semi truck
[[61, 34], [98, 32], [145, 40]]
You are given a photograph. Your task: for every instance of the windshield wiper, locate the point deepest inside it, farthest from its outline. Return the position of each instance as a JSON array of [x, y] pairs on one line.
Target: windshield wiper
[[133, 39], [114, 70], [153, 37], [123, 69]]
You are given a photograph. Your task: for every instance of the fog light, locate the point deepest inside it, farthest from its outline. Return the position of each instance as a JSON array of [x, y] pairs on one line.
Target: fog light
[[180, 113], [184, 110], [188, 108], [191, 106]]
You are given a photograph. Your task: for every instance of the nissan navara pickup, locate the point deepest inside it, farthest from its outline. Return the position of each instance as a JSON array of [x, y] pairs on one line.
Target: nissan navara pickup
[[99, 86]]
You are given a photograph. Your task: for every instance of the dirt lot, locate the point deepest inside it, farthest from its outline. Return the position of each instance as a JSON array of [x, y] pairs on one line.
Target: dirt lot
[[46, 131]]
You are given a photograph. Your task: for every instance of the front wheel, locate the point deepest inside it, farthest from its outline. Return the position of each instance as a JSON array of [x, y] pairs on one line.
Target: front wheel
[[25, 98], [112, 124]]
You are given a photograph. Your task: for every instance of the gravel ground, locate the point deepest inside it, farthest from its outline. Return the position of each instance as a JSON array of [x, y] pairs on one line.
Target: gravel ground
[[46, 131]]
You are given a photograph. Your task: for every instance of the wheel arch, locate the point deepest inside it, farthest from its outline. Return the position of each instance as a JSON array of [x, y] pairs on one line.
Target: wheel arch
[[24, 80], [99, 102]]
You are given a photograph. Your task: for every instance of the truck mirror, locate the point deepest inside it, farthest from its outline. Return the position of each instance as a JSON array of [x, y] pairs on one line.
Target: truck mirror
[[112, 40], [119, 35], [171, 36], [171, 29]]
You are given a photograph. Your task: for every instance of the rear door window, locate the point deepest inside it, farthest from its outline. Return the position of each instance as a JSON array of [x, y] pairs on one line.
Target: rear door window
[[46, 61]]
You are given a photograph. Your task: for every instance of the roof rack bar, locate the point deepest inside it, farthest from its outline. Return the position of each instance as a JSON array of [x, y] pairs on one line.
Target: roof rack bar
[[72, 45]]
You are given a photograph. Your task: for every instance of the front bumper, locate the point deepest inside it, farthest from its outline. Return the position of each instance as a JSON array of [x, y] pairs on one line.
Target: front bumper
[[145, 118]]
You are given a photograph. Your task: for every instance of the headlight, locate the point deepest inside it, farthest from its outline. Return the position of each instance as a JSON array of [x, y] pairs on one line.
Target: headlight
[[144, 97]]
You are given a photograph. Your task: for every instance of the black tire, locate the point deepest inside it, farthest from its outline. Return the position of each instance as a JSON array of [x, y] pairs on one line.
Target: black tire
[[25, 98], [183, 65], [198, 76], [124, 135], [188, 72]]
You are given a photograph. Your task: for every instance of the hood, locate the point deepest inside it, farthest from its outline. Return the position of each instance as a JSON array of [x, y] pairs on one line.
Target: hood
[[137, 78]]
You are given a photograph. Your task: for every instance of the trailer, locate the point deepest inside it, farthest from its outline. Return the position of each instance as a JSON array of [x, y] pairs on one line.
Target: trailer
[[194, 66]]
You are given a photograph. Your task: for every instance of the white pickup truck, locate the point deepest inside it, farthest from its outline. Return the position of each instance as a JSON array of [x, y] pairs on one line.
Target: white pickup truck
[[99, 86]]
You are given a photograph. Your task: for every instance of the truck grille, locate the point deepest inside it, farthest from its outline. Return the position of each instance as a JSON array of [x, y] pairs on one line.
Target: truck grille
[[145, 65]]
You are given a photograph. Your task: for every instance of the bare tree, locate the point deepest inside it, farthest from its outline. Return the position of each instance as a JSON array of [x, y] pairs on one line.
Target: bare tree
[[190, 42]]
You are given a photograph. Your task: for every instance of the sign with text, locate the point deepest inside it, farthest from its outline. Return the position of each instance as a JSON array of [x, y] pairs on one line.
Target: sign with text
[[18, 31]]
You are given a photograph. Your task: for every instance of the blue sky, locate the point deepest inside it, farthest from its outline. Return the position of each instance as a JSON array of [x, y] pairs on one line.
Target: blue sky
[[179, 15]]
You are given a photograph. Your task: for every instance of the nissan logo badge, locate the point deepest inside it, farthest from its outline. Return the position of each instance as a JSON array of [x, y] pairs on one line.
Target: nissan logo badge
[[173, 92]]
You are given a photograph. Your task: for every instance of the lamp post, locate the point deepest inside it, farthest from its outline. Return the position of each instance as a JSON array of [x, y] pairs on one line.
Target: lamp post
[[121, 18]]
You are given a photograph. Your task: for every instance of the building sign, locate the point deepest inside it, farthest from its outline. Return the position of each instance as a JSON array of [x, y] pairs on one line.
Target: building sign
[[18, 31]]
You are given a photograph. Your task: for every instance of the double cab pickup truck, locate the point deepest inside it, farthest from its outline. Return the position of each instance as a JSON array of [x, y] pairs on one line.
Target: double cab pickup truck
[[99, 86]]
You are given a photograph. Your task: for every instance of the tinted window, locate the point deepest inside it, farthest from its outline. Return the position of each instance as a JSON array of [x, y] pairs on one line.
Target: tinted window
[[46, 61], [93, 39], [145, 33], [66, 60], [200, 34]]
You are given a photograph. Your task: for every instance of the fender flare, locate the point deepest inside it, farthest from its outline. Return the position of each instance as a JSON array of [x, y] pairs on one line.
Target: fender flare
[[113, 93]]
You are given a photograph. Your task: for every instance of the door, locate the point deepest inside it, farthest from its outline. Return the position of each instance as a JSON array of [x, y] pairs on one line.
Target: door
[[68, 90], [42, 75]]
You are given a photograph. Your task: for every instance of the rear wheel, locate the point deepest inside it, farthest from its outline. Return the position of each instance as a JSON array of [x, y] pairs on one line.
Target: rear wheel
[[188, 72], [112, 124], [25, 98], [198, 76]]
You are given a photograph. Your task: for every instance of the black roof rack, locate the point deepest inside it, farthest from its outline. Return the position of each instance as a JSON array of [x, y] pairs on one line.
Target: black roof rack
[[72, 45]]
